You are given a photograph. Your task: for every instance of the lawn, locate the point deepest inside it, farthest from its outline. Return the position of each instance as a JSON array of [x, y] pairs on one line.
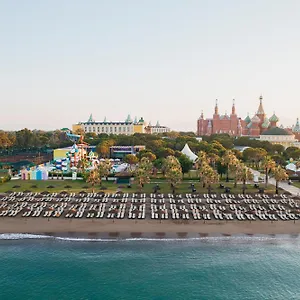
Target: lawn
[[296, 184], [79, 185]]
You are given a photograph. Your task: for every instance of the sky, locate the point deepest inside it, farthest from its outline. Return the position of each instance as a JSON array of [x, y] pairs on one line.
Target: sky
[[165, 60]]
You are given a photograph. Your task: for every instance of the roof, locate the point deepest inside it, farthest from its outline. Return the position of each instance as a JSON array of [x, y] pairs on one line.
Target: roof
[[297, 126], [260, 110], [247, 119], [255, 119], [274, 118], [276, 131], [189, 153], [266, 123]]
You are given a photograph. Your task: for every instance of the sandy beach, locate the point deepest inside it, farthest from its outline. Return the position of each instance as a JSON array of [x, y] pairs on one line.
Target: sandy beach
[[138, 228]]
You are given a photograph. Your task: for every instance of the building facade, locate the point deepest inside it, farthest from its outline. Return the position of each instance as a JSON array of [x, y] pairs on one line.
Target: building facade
[[280, 136], [236, 126], [127, 127], [156, 129]]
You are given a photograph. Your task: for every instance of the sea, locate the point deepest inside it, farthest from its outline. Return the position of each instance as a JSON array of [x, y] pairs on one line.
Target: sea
[[40, 267]]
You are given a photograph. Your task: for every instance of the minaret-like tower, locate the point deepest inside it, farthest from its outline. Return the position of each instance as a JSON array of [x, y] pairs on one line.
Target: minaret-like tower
[[260, 112], [233, 107], [216, 108]]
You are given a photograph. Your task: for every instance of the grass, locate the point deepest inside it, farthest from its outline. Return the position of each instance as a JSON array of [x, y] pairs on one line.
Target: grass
[[79, 185], [296, 184]]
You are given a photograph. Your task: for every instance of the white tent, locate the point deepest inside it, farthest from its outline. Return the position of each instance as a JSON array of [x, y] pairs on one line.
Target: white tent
[[291, 167], [189, 153]]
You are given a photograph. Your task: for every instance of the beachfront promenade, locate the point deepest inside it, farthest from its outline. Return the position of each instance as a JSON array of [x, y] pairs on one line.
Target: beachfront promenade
[[293, 190]]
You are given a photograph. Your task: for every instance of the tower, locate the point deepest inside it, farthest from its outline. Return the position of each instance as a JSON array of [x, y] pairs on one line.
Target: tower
[[216, 108], [233, 107]]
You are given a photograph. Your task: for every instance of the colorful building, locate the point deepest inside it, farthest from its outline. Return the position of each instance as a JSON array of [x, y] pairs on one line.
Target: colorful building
[[236, 126]]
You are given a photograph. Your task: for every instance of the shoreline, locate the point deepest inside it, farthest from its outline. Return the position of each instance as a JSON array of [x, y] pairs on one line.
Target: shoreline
[[94, 229]]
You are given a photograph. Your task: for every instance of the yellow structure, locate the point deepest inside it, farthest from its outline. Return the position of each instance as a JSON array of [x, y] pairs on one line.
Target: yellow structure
[[60, 153]]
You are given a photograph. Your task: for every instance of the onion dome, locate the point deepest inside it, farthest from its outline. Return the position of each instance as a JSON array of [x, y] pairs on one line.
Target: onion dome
[[247, 119], [266, 123], [274, 118], [255, 119]]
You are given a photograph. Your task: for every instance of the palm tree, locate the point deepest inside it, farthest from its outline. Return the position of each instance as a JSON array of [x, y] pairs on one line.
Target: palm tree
[[244, 174], [213, 159], [143, 172], [104, 168], [269, 165], [132, 160], [234, 167], [209, 176], [279, 175], [93, 177], [228, 159], [173, 171]]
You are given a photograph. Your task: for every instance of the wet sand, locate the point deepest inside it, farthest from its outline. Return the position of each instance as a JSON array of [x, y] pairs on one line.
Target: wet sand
[[140, 228]]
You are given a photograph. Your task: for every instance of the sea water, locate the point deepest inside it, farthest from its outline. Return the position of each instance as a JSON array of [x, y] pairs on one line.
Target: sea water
[[37, 267]]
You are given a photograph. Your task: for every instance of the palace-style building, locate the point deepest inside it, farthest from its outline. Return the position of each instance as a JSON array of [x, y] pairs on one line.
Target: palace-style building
[[234, 125]]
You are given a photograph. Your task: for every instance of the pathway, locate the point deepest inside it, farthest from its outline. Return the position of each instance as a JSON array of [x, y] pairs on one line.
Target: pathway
[[283, 185]]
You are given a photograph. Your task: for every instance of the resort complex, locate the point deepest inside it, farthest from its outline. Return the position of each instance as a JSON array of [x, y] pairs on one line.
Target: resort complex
[[256, 126], [127, 127]]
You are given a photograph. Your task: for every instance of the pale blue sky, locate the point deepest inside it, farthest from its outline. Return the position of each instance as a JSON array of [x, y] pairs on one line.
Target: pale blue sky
[[164, 60]]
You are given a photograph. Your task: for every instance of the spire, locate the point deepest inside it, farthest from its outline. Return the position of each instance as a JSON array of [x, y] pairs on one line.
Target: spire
[[128, 119], [216, 108], [135, 120], [297, 126], [201, 116], [233, 107], [105, 120], [157, 124], [260, 110], [91, 120]]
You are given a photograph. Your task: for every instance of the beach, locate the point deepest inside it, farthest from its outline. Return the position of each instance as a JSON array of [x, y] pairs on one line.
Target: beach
[[144, 228]]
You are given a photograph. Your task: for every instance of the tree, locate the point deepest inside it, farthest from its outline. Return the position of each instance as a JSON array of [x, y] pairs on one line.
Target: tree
[[143, 172], [208, 176], [279, 175], [131, 159], [228, 159], [103, 149], [244, 174], [104, 169], [254, 155], [93, 178], [234, 168], [151, 156], [186, 163], [292, 152], [268, 165], [173, 171]]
